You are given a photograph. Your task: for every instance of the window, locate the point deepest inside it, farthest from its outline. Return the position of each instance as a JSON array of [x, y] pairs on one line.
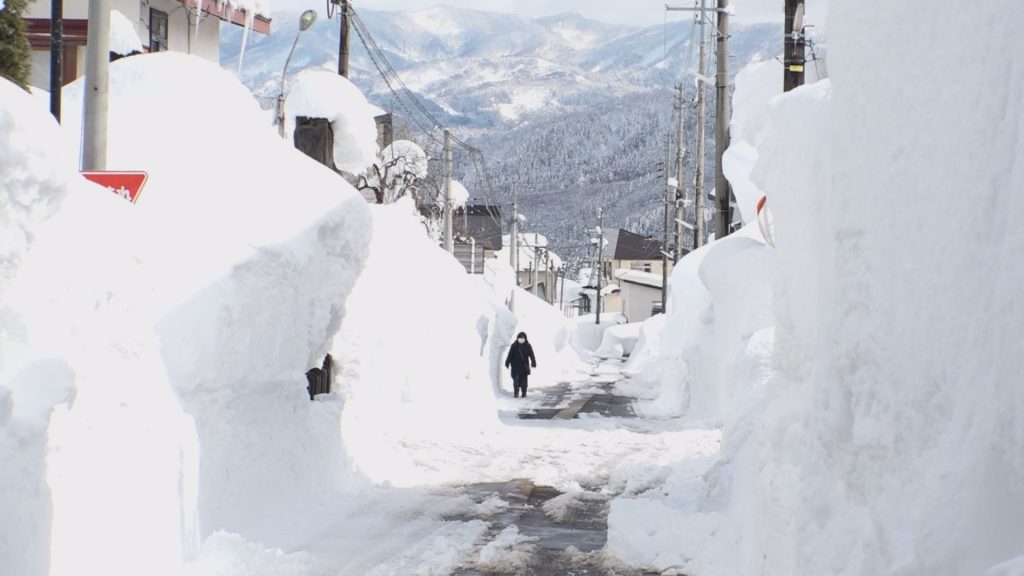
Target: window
[[157, 30]]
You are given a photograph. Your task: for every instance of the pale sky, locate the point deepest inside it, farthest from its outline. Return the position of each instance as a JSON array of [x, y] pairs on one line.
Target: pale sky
[[636, 12]]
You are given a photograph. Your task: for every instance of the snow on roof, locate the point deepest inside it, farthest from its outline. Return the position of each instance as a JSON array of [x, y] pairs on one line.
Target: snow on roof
[[123, 38], [319, 93], [639, 277]]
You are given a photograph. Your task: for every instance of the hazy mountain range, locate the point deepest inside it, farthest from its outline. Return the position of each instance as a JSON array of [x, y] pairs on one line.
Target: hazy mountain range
[[571, 113]]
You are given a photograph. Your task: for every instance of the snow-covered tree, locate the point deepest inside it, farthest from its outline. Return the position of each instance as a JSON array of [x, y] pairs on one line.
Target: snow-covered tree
[[15, 51], [398, 172]]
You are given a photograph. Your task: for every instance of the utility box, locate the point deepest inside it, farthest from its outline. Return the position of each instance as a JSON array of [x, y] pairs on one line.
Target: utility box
[[315, 138]]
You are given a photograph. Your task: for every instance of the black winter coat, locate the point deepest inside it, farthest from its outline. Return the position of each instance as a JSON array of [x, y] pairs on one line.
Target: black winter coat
[[517, 358]]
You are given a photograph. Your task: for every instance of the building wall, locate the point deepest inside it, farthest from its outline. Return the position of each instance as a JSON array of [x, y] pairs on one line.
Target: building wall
[[181, 36], [637, 301], [652, 266]]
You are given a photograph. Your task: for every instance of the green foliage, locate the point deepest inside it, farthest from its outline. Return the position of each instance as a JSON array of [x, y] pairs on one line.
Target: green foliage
[[15, 51]]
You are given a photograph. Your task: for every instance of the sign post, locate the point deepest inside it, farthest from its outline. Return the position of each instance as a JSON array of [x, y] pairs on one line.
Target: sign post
[[127, 185]]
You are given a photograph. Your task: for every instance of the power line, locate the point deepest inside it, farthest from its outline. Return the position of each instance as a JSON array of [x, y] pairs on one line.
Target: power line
[[417, 111]]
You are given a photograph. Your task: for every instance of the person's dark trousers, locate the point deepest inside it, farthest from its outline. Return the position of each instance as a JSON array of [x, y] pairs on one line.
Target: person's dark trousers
[[519, 383]]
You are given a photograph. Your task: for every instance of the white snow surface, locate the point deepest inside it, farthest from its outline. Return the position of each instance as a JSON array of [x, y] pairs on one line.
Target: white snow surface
[[865, 370], [318, 93], [459, 195], [124, 40], [617, 341], [186, 346]]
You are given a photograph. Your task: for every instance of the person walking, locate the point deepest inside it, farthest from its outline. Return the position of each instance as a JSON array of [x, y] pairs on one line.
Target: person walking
[[520, 358]]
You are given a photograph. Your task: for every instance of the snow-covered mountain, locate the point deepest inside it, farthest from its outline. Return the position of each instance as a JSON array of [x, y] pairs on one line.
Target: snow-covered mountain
[[571, 112]]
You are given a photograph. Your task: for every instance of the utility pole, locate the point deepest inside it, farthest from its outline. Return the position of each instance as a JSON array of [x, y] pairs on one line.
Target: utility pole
[[449, 241], [680, 173], [549, 293], [723, 192], [343, 40], [722, 9], [664, 230], [97, 86], [535, 266], [794, 60], [561, 297], [56, 55], [513, 246], [702, 114], [600, 260]]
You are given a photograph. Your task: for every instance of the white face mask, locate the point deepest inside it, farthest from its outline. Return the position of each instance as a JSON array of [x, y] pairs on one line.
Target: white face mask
[[522, 340]]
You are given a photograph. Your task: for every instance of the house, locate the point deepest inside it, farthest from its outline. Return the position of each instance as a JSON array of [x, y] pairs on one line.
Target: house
[[191, 26], [640, 295], [625, 249], [477, 230]]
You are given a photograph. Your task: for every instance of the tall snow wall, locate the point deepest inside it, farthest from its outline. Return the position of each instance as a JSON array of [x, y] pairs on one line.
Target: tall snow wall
[[880, 430], [181, 326], [897, 300]]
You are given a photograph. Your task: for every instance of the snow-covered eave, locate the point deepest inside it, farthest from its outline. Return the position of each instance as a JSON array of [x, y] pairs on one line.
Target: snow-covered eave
[[234, 15], [638, 277]]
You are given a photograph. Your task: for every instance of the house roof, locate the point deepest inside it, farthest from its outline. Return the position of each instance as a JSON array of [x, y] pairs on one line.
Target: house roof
[[222, 10], [482, 222], [639, 277], [626, 245]]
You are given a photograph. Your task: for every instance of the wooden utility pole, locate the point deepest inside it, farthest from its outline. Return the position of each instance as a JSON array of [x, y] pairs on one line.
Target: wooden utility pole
[[723, 193], [600, 260], [664, 231], [680, 172], [549, 293], [56, 55], [97, 87], [702, 116], [343, 40], [702, 11], [794, 60], [449, 240], [536, 267], [561, 297]]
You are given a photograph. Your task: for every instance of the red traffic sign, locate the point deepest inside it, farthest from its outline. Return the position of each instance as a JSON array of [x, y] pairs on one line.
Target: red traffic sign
[[127, 185]]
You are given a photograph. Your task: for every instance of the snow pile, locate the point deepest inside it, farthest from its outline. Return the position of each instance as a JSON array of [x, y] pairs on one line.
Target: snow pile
[[418, 347], [873, 421], [34, 176], [756, 85], [618, 341], [323, 94], [187, 345], [508, 553], [459, 195], [124, 40], [587, 334]]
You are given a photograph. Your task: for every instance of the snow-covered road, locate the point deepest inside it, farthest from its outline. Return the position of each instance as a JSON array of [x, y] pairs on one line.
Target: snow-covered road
[[510, 501]]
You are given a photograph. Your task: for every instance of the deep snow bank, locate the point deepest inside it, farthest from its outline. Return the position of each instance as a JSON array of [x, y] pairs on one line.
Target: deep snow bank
[[887, 440], [186, 321], [416, 347]]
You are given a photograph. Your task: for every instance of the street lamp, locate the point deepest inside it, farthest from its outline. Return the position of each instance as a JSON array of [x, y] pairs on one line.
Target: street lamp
[[305, 22]]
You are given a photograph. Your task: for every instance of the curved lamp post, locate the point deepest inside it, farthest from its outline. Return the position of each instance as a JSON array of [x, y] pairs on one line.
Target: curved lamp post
[[305, 22]]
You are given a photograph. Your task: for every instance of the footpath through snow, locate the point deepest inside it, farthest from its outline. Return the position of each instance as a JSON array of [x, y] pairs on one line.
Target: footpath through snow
[[530, 496]]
